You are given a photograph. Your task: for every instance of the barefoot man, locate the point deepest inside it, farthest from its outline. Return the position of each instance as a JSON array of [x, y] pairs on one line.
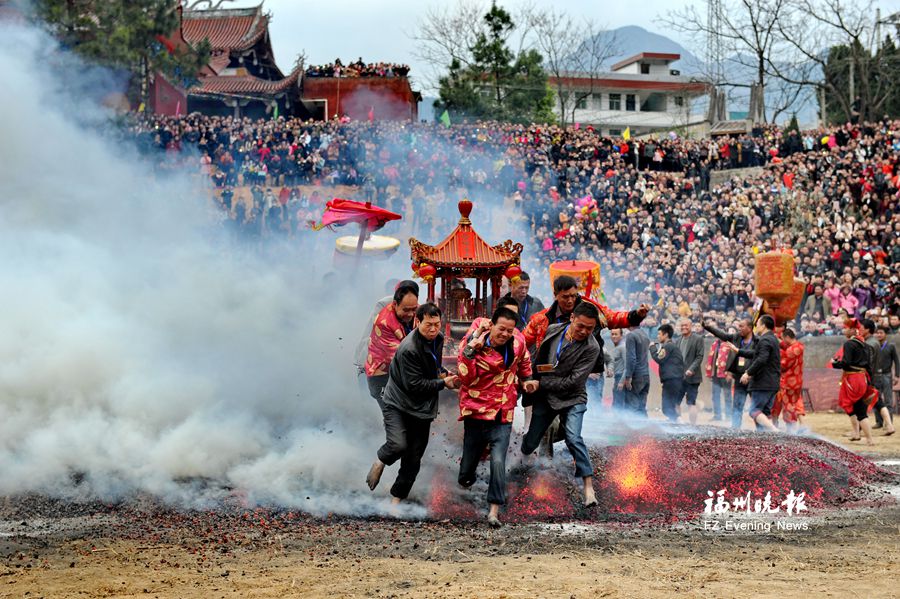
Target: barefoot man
[[563, 362], [415, 378], [493, 365], [857, 394]]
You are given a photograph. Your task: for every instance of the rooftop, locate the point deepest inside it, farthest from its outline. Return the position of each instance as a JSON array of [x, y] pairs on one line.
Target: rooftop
[[244, 84], [650, 57], [464, 248], [226, 29]]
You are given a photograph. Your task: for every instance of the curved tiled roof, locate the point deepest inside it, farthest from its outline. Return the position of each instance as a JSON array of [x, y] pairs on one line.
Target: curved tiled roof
[[244, 84], [227, 29], [219, 60], [464, 248]]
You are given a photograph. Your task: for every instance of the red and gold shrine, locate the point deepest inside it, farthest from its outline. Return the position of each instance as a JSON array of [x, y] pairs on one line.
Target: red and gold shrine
[[774, 277]]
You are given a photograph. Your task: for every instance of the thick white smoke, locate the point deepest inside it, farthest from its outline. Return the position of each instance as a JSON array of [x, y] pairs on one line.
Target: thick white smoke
[[139, 350]]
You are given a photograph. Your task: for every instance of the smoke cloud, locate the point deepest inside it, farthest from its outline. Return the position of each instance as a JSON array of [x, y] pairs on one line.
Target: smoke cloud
[[142, 352]]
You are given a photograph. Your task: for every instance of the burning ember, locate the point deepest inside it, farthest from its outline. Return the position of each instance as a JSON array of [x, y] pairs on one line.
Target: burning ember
[[445, 501], [672, 476], [631, 478], [542, 496]]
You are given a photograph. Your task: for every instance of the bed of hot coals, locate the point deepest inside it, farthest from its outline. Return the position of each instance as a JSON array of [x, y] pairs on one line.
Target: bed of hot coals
[[645, 480], [679, 476]]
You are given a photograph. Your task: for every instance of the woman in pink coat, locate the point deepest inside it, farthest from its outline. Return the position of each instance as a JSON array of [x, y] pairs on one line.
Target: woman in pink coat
[[832, 291], [845, 300]]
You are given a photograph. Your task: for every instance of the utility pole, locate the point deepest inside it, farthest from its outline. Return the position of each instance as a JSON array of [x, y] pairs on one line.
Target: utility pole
[[852, 79], [877, 39], [823, 107], [714, 53]]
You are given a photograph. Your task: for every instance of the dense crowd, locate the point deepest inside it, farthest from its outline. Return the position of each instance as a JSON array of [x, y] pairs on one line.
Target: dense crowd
[[648, 210], [358, 69]]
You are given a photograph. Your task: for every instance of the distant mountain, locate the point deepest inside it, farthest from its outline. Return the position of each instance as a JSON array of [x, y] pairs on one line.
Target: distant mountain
[[632, 40]]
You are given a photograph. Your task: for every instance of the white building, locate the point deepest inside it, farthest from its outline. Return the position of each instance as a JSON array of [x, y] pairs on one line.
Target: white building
[[641, 93]]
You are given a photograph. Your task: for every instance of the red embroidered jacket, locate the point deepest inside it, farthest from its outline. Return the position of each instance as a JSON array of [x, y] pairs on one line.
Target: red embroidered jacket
[[488, 385], [719, 352], [792, 366], [387, 333]]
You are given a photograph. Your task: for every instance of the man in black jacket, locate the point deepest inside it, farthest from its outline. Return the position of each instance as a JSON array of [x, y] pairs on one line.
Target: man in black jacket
[[763, 376], [691, 347], [667, 354], [415, 378], [528, 305], [563, 362], [743, 339], [888, 361]]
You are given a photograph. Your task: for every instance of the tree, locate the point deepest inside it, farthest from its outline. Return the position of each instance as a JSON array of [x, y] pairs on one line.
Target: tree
[[836, 37], [490, 53], [459, 93], [571, 47], [748, 30], [129, 34], [528, 97], [793, 125], [490, 80], [889, 54]]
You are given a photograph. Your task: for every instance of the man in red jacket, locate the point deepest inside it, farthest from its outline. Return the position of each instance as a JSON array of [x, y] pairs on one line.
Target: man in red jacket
[[493, 365], [565, 299], [857, 395], [789, 401], [391, 326]]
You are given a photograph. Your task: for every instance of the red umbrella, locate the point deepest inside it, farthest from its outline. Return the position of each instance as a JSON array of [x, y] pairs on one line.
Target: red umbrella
[[340, 212], [370, 218]]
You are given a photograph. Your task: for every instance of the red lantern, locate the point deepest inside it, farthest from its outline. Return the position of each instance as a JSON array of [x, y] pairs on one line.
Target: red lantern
[[513, 274], [774, 277], [415, 268], [427, 272]]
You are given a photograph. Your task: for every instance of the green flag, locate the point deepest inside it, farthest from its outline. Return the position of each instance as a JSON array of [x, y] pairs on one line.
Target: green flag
[[445, 118], [275, 112]]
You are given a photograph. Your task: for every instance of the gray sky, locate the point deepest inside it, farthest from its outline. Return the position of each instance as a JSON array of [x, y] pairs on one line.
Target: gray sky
[[383, 30]]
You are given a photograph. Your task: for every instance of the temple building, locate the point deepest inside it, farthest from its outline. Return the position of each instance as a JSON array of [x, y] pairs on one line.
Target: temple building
[[242, 78]]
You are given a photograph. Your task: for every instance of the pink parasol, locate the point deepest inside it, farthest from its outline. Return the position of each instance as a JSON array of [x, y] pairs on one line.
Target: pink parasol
[[340, 212]]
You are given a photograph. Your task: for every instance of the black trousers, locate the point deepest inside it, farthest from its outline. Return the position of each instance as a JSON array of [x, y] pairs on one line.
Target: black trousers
[[672, 392], [884, 384], [480, 434], [407, 438], [376, 388]]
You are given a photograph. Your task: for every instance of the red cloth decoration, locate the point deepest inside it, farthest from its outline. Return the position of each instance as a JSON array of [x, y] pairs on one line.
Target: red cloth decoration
[[341, 212]]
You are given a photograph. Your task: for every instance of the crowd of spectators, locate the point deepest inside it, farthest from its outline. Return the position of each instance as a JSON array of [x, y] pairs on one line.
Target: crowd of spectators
[[358, 69], [668, 222]]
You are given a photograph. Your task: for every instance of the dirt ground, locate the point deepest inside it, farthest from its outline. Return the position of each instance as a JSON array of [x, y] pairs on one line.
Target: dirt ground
[[852, 552]]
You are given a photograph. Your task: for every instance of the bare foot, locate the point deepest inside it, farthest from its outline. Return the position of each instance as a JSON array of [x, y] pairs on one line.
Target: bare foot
[[494, 521], [396, 501], [890, 432], [374, 475]]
